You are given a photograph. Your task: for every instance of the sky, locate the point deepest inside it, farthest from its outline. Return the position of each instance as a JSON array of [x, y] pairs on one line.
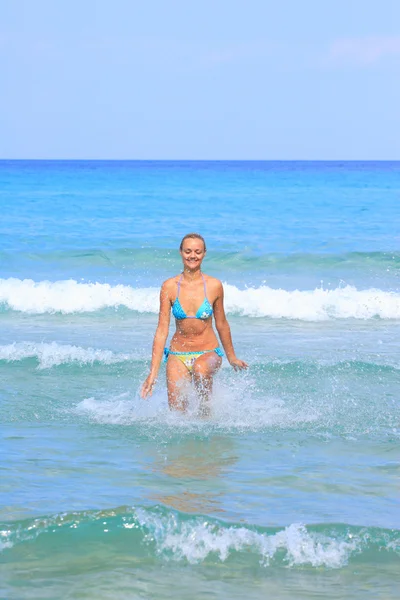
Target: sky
[[216, 79]]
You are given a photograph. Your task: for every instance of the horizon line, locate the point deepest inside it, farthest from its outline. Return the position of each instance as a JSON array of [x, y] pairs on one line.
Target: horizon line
[[200, 160]]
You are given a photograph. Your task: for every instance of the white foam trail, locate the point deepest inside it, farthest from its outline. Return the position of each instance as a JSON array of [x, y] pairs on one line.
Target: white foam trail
[[235, 406], [309, 305], [53, 354], [195, 542]]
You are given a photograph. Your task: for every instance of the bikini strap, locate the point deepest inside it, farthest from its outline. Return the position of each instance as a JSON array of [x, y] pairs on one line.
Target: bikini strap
[[204, 283], [179, 284]]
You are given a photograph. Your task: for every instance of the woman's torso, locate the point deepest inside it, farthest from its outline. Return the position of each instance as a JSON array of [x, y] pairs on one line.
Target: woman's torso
[[193, 300]]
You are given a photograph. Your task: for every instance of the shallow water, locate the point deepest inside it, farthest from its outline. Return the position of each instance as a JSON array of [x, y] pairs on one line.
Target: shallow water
[[290, 488]]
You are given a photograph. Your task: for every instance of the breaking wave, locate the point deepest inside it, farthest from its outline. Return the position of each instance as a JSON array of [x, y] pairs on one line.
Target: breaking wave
[[70, 296], [167, 534]]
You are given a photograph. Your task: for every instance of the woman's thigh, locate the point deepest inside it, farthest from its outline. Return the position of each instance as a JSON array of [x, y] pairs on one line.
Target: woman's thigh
[[178, 379], [206, 366]]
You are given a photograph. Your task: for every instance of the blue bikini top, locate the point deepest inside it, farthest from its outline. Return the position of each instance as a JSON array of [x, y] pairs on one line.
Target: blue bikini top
[[204, 311]]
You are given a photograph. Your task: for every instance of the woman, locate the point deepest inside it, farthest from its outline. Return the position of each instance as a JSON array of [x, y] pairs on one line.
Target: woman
[[194, 354]]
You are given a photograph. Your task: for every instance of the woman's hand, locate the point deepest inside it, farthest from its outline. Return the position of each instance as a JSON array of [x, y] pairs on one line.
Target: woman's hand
[[238, 364], [147, 387]]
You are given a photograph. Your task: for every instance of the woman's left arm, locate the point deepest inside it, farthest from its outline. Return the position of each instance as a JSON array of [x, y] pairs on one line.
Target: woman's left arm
[[224, 331]]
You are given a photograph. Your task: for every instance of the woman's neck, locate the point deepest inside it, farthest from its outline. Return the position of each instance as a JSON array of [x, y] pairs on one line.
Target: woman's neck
[[191, 275]]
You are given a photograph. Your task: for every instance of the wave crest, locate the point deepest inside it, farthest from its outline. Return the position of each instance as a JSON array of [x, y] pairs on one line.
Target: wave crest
[[171, 535], [52, 354], [319, 304]]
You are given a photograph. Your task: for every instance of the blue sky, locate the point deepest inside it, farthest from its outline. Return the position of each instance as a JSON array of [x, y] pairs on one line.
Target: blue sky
[[254, 79]]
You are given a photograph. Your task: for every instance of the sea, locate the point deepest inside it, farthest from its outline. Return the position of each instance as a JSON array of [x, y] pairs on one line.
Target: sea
[[290, 488]]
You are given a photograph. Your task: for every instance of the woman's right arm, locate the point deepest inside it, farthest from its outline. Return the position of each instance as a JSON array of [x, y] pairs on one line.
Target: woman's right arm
[[160, 339]]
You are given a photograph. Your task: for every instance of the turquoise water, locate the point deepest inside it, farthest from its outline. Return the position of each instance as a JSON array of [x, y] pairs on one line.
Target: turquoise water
[[290, 489]]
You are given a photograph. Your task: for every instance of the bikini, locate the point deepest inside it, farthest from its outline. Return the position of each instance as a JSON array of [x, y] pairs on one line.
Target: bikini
[[203, 313]]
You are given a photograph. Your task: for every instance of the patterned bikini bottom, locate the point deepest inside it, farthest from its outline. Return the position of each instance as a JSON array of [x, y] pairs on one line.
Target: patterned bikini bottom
[[189, 358]]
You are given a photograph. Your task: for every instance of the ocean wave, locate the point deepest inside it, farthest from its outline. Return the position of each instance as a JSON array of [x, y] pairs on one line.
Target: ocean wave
[[70, 296], [167, 258], [52, 354], [47, 355], [166, 534]]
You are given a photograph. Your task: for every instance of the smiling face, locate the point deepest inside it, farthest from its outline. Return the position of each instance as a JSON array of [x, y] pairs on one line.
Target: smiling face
[[192, 253]]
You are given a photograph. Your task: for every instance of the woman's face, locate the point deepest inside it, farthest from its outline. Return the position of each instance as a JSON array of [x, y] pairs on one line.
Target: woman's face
[[192, 253]]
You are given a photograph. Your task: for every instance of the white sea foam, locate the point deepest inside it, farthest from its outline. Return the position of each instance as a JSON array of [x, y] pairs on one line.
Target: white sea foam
[[309, 305], [53, 354], [235, 406], [69, 296], [313, 305], [4, 545], [196, 541]]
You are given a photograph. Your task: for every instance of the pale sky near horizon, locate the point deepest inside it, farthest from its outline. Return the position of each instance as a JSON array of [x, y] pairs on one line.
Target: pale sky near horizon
[[222, 79]]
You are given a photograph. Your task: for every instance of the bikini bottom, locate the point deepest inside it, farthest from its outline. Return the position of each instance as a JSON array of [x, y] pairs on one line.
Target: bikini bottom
[[189, 358]]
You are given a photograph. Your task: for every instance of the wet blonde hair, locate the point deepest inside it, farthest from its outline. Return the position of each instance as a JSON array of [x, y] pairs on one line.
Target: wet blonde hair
[[193, 236]]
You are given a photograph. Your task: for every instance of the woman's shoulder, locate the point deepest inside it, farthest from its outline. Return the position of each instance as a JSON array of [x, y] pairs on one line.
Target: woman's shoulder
[[212, 282], [170, 284], [211, 279]]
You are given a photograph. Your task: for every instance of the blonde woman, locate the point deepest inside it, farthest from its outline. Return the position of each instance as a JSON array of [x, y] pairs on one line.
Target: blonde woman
[[194, 354]]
